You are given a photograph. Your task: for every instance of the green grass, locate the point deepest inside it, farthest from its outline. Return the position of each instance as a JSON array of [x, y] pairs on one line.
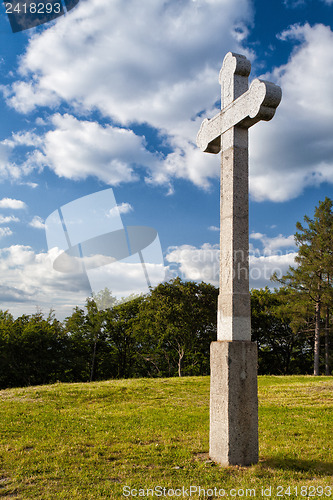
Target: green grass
[[87, 441]]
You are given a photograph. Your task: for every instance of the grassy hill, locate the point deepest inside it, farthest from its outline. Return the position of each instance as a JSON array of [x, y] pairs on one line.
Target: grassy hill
[[89, 441]]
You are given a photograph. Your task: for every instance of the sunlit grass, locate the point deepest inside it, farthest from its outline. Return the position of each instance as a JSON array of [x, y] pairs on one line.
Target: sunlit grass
[[88, 441]]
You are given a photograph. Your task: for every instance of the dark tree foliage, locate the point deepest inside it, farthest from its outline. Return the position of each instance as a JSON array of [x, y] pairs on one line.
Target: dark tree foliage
[[312, 279], [120, 328], [280, 350], [175, 326], [32, 350]]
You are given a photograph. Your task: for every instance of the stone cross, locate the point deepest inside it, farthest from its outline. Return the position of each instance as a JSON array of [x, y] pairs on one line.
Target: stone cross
[[234, 403]]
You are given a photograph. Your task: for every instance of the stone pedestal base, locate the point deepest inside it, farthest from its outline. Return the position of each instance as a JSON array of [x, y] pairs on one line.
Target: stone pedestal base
[[233, 436]]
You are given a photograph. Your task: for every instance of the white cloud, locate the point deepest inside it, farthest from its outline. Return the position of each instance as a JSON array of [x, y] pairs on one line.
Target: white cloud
[[295, 150], [12, 203], [275, 244], [202, 264], [77, 149], [28, 279], [11, 149], [106, 59], [166, 77], [123, 208], [261, 268], [275, 256], [8, 169], [198, 264], [186, 161], [213, 228], [126, 278], [293, 4], [26, 138], [37, 222], [5, 231], [9, 218]]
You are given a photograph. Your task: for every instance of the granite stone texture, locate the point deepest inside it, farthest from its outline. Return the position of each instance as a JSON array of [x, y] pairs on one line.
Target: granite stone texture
[[233, 403], [233, 399], [227, 132]]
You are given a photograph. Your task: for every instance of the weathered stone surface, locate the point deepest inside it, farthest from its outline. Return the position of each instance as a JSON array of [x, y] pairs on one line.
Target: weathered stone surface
[[258, 103], [233, 403], [241, 107]]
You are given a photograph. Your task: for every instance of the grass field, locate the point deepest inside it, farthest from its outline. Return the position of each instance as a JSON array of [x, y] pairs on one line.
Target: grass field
[[90, 441]]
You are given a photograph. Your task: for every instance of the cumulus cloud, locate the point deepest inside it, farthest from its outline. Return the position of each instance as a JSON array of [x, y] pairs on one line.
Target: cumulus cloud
[[5, 231], [76, 149], [126, 278], [37, 222], [123, 208], [28, 279], [198, 264], [262, 267], [272, 245], [186, 161], [26, 138], [296, 149], [276, 254], [16, 158], [12, 203], [166, 78], [202, 263], [8, 219], [135, 74], [8, 168], [163, 77]]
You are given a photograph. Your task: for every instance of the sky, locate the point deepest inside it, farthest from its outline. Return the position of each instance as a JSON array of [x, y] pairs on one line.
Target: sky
[[111, 97]]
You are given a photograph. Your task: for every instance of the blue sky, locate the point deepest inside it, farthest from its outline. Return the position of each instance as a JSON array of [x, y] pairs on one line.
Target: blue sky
[[112, 96]]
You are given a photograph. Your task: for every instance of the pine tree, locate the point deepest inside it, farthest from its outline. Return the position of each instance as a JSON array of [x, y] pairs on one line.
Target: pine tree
[[313, 276]]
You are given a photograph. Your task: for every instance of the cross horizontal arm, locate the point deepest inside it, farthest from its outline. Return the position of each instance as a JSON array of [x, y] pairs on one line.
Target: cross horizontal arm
[[258, 103]]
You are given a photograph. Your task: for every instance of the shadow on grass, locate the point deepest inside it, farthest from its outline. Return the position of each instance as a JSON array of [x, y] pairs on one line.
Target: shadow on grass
[[278, 462], [296, 465]]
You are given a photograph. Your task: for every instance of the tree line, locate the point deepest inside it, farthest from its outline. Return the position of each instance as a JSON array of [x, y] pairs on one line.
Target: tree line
[[168, 332]]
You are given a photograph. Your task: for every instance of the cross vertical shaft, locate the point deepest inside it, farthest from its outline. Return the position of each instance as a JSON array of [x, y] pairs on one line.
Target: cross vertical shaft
[[234, 300]]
